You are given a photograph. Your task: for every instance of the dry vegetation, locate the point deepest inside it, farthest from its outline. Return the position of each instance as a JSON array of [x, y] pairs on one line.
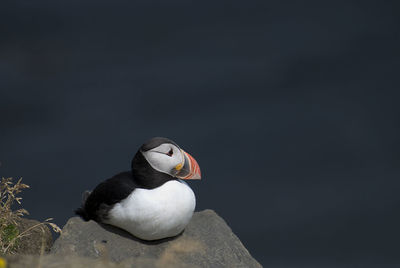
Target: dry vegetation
[[10, 234]]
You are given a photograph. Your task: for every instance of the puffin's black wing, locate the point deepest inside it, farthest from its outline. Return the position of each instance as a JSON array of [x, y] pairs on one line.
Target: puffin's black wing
[[105, 195]]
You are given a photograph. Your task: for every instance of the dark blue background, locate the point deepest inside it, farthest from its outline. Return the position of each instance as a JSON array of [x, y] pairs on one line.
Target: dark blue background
[[290, 107]]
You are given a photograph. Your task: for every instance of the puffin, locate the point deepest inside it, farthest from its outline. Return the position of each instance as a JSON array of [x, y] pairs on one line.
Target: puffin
[[152, 201]]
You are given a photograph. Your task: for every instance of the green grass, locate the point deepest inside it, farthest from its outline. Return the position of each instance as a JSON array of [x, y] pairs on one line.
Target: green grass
[[9, 236]]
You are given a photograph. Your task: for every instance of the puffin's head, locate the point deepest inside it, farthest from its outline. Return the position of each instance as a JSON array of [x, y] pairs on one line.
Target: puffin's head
[[162, 158]]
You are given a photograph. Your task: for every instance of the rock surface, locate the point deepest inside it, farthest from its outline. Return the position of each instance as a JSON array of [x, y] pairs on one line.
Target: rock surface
[[36, 240], [58, 261], [206, 242]]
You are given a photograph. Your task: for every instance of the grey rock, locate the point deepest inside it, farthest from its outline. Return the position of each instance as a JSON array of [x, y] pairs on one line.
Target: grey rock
[[206, 242], [74, 261], [58, 261], [37, 237]]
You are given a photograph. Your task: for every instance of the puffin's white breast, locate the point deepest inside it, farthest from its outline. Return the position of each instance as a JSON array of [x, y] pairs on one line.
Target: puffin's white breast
[[157, 213]]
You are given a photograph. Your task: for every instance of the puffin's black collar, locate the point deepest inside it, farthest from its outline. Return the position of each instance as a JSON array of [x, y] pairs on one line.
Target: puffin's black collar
[[145, 175]]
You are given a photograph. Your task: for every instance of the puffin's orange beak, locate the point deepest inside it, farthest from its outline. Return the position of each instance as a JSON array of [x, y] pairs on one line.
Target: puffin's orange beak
[[189, 169]]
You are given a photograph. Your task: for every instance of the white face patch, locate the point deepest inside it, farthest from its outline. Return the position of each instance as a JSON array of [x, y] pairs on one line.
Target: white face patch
[[164, 158]]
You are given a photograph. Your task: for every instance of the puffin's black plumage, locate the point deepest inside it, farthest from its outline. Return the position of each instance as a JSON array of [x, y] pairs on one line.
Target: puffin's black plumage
[[120, 186], [105, 195]]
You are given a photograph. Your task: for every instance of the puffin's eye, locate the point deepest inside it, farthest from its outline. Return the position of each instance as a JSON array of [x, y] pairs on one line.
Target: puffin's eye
[[170, 152]]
